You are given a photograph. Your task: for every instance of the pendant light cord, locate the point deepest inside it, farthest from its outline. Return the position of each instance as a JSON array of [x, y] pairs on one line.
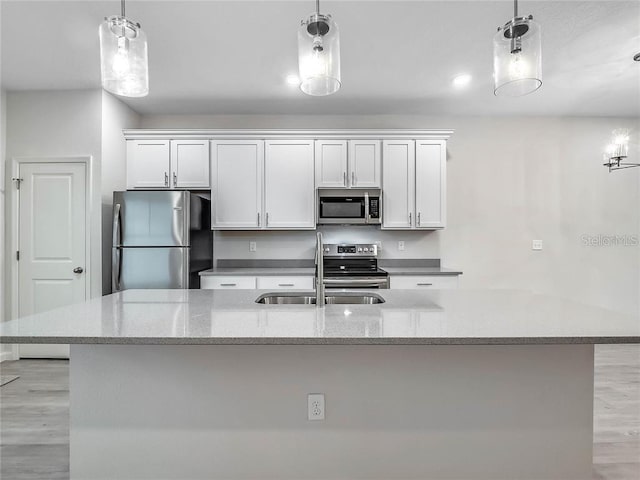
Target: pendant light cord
[[317, 7], [122, 6], [515, 8]]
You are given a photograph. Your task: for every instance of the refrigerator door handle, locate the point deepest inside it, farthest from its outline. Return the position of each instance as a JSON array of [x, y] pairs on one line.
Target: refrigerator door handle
[[116, 268], [116, 225]]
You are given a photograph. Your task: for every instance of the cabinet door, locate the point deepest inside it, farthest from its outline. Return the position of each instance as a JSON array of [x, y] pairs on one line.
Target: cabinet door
[[331, 163], [190, 164], [364, 163], [398, 194], [430, 186], [236, 193], [289, 198], [148, 164]]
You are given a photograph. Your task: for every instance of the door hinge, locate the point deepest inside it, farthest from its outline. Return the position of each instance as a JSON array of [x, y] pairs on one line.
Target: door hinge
[[18, 255], [18, 182]]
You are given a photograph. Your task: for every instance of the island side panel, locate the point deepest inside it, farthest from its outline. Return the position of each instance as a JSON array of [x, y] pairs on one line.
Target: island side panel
[[240, 412]]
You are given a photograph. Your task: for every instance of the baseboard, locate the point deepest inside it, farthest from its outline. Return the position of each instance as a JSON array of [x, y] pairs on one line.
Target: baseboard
[[8, 356]]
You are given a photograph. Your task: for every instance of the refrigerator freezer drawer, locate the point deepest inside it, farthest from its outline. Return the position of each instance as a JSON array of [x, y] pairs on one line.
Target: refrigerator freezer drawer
[[150, 268]]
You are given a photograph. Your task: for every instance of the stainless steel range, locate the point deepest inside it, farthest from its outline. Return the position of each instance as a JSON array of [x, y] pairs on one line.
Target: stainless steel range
[[353, 266]]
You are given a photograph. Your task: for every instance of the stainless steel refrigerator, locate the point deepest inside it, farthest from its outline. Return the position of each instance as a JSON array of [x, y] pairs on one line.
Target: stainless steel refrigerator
[[161, 239]]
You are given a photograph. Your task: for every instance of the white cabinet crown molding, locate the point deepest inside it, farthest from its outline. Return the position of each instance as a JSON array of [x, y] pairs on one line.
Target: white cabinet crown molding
[[145, 134]]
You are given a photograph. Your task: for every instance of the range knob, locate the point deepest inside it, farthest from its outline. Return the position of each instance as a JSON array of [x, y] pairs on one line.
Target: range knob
[[326, 249], [366, 249], [360, 249]]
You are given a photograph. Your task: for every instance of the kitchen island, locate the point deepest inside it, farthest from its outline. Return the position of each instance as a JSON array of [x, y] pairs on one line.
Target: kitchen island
[[175, 384]]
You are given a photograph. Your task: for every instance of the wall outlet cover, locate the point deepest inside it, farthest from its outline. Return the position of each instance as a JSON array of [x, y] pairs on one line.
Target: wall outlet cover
[[401, 245], [536, 245], [315, 406], [252, 246]]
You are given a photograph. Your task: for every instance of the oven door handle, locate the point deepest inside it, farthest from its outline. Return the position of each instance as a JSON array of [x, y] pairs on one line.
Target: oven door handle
[[355, 281]]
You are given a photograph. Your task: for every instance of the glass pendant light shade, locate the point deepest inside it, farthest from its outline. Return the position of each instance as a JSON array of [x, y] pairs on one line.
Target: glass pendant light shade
[[319, 55], [123, 57], [517, 58]]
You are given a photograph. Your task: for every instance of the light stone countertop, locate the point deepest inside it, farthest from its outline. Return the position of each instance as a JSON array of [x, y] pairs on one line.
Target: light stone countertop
[[249, 271], [421, 271], [295, 271], [409, 317]]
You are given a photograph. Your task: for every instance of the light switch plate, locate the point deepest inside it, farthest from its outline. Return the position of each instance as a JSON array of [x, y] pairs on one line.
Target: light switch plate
[[401, 245], [536, 245]]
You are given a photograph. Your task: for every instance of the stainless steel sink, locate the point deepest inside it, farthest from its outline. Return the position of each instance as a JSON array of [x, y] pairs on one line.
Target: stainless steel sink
[[335, 298]]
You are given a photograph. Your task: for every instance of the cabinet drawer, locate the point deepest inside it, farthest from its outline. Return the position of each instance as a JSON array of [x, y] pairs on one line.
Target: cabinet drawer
[[284, 283], [423, 281], [212, 282]]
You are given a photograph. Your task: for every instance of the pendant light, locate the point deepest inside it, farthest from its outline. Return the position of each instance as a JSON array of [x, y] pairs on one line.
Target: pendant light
[[517, 56], [123, 56], [319, 54]]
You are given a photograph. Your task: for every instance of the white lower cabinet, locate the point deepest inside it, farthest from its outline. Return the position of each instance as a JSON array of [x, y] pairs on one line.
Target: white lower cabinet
[[409, 282], [219, 282], [285, 283]]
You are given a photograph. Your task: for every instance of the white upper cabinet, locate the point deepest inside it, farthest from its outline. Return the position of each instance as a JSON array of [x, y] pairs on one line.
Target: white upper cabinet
[[348, 164], [190, 164], [431, 181], [289, 196], [236, 191], [414, 184], [168, 164], [364, 164], [148, 164], [261, 185], [398, 192], [331, 163]]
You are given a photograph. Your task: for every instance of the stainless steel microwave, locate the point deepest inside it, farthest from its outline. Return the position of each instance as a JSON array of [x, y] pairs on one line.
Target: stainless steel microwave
[[349, 206]]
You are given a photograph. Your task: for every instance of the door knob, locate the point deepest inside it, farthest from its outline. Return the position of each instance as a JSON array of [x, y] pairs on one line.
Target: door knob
[[78, 270]]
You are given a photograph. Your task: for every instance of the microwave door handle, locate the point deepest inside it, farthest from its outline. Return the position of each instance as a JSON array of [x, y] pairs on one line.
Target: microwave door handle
[[366, 207]]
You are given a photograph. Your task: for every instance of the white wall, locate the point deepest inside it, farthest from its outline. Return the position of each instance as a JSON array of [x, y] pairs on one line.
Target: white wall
[[60, 123], [6, 352], [116, 116], [510, 180]]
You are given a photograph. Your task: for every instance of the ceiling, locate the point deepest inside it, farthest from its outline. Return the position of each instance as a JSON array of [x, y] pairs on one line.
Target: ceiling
[[398, 57]]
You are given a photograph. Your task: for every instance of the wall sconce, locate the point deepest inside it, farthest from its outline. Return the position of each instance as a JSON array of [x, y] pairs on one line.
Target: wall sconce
[[617, 151]]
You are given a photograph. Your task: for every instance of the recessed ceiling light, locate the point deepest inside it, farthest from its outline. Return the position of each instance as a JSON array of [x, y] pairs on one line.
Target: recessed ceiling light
[[462, 81], [293, 80]]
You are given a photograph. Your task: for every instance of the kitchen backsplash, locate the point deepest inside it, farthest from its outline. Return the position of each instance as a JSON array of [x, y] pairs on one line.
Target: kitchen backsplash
[[300, 244]]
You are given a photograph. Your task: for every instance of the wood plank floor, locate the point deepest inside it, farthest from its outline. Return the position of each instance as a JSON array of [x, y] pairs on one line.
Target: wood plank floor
[[34, 417]]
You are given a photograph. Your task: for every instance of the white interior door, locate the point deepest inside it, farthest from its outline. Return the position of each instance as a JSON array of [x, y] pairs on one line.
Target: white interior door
[[52, 267]]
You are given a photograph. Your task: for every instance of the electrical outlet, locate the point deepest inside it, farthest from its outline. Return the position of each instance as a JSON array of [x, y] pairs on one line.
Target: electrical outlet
[[315, 406], [252, 246], [401, 245], [379, 244], [536, 245]]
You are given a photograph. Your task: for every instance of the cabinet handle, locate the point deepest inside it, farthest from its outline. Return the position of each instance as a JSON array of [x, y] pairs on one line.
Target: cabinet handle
[[410, 219], [228, 284], [424, 284], [258, 218], [266, 219], [175, 179], [418, 218], [166, 179], [286, 285], [353, 178], [344, 179]]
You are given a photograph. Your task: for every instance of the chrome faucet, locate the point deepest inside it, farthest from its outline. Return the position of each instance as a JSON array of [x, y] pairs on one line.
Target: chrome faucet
[[319, 271]]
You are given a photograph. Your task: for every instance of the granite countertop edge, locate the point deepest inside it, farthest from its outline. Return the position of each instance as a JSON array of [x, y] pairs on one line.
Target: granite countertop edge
[[302, 271], [323, 340]]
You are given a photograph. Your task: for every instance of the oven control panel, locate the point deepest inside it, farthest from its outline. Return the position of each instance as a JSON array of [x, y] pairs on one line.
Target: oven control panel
[[350, 250]]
